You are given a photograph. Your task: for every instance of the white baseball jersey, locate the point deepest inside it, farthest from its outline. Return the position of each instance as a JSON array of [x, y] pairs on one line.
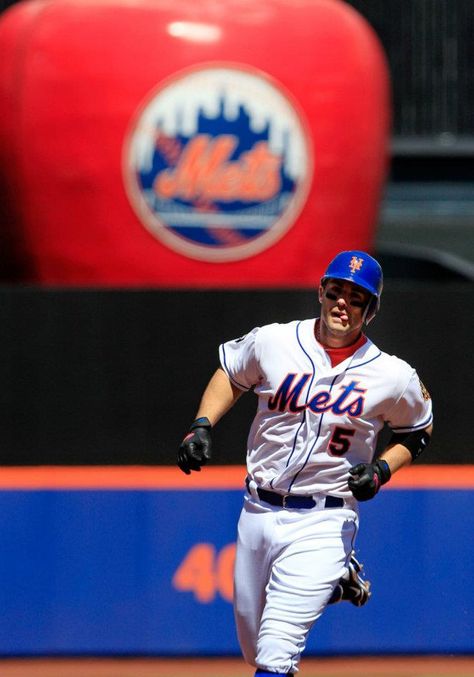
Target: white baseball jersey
[[315, 421]]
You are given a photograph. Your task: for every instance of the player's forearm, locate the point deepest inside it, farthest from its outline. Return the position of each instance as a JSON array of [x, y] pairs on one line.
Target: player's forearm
[[397, 455], [219, 396]]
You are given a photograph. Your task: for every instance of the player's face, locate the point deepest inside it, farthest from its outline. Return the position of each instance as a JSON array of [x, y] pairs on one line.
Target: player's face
[[343, 306]]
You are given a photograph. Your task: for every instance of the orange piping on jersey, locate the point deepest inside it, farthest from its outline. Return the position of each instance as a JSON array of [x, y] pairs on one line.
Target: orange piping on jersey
[[214, 477]]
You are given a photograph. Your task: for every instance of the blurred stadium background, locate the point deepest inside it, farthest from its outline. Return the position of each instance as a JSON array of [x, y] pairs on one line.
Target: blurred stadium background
[[101, 375]]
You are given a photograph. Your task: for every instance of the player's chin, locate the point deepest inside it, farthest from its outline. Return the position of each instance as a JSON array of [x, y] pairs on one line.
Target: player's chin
[[341, 325]]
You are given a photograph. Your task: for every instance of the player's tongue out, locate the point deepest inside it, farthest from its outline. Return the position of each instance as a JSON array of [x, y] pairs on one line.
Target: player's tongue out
[[341, 315]]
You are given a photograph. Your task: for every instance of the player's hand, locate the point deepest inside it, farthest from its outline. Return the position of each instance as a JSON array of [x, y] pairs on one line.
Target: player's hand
[[367, 478], [195, 450]]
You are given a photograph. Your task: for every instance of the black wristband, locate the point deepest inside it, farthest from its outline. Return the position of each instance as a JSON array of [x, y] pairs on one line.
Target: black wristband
[[416, 441], [384, 468]]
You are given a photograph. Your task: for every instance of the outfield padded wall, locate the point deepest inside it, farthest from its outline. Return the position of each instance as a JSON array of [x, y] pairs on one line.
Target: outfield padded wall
[[127, 568]]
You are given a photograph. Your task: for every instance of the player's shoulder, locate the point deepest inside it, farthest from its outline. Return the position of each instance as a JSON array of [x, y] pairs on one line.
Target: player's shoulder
[[266, 332], [396, 369], [284, 329], [396, 363]]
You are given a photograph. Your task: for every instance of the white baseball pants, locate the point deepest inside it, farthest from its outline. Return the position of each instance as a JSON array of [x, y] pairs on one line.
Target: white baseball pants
[[288, 562]]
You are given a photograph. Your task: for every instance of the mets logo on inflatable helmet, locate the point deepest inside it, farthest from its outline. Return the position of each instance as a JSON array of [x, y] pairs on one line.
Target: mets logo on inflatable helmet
[[218, 163]]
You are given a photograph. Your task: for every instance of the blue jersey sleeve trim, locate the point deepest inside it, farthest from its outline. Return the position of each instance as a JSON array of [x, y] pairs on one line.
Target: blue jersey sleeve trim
[[420, 426]]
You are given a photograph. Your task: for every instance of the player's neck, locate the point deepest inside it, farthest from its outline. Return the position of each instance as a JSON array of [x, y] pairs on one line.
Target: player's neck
[[329, 340]]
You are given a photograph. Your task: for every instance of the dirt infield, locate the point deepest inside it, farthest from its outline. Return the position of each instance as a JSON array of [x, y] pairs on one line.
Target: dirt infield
[[431, 666]]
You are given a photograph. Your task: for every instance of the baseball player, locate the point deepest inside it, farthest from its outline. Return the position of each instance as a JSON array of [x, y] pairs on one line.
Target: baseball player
[[324, 393]]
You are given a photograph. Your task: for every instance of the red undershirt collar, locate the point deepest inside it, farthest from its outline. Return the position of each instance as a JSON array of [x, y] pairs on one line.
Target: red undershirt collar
[[338, 355]]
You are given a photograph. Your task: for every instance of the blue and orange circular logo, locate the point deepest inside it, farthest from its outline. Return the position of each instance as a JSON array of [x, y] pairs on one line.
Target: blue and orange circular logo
[[218, 163]]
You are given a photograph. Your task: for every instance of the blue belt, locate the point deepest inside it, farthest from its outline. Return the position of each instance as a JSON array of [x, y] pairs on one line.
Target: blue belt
[[295, 501]]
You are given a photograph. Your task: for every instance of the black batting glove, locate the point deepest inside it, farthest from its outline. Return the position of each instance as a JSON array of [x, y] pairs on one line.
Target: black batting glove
[[195, 450], [367, 478]]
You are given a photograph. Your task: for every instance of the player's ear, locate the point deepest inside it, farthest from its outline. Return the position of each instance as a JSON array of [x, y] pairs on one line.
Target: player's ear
[[320, 293]]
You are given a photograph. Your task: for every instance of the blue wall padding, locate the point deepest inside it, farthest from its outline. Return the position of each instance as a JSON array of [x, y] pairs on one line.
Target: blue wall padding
[[90, 572]]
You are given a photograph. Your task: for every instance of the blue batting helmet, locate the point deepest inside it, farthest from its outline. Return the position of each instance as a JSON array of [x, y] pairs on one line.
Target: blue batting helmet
[[360, 269]]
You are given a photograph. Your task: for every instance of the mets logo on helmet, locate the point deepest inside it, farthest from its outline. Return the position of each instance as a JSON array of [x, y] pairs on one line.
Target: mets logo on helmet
[[218, 163], [356, 264]]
